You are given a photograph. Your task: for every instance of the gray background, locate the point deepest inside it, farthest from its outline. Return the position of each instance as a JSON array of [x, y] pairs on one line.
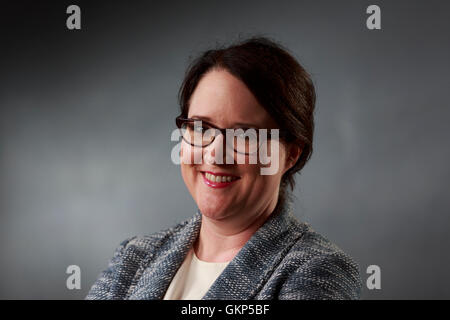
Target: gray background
[[86, 117]]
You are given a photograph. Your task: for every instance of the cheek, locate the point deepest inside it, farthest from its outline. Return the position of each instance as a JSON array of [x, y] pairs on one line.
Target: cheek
[[272, 159], [190, 155], [256, 182], [259, 189]]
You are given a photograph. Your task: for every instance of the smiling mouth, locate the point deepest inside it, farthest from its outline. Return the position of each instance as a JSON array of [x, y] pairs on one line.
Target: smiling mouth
[[218, 180]]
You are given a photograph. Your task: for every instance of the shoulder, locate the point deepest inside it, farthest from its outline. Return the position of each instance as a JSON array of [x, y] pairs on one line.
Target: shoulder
[[124, 267], [148, 243], [319, 269]]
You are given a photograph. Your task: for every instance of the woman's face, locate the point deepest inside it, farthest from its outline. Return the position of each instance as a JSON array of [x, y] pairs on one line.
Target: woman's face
[[225, 101]]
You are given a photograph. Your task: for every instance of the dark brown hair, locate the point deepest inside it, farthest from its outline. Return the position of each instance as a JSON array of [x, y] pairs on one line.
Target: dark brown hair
[[278, 82]]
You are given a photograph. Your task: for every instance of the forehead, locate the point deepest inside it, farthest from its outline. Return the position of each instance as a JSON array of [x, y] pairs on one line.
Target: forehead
[[226, 100]]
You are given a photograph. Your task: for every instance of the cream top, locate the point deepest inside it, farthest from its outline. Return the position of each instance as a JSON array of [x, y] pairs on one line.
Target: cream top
[[194, 278]]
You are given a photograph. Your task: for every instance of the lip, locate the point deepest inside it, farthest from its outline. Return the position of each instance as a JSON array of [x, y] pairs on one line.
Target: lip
[[218, 185]]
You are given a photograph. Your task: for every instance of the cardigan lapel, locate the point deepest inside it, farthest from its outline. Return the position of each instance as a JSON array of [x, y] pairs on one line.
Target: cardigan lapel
[[250, 269], [243, 277]]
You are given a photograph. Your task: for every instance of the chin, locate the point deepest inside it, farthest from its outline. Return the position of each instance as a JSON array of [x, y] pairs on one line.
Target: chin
[[212, 211]]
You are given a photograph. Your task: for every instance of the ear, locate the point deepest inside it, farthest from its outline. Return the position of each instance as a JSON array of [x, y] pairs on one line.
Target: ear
[[294, 151]]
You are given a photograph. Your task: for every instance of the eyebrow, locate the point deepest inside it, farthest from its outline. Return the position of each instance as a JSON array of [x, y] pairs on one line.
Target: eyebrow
[[236, 125]]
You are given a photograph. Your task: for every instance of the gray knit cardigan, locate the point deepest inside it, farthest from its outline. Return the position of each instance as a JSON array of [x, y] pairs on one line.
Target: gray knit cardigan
[[284, 259]]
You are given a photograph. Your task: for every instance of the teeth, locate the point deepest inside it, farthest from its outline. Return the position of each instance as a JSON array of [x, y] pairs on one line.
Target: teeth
[[214, 178]]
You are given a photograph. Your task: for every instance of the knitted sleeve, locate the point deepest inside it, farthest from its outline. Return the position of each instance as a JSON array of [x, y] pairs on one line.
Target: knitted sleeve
[[108, 283], [327, 276]]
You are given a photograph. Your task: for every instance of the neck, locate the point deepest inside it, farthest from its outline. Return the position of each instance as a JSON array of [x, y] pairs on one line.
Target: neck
[[221, 240]]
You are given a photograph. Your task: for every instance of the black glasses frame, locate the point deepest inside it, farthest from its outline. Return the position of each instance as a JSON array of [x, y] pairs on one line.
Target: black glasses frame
[[180, 120]]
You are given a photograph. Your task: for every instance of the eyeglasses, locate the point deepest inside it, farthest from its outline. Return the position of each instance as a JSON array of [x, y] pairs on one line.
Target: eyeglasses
[[199, 133]]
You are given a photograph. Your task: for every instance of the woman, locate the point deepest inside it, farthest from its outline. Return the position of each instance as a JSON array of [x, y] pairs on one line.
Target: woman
[[244, 243]]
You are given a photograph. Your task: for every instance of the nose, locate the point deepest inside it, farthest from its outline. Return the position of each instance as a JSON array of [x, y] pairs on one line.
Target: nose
[[218, 152]]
